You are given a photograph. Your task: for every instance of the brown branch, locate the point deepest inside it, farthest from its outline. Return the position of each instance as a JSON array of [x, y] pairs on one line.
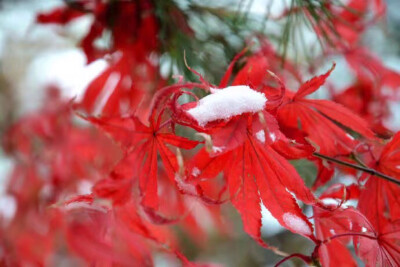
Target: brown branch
[[358, 167], [304, 258]]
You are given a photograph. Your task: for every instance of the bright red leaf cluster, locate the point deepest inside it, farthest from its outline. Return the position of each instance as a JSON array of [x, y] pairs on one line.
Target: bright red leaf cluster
[[114, 192]]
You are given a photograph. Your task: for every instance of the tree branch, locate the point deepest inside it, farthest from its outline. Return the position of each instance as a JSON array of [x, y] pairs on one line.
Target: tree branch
[[304, 258], [358, 167]]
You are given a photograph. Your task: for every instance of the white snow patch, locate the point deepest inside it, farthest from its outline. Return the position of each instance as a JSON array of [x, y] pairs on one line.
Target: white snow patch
[[296, 223], [273, 137], [261, 136], [8, 207], [65, 69], [350, 136], [187, 187], [225, 103], [330, 201], [217, 149], [195, 171], [85, 187]]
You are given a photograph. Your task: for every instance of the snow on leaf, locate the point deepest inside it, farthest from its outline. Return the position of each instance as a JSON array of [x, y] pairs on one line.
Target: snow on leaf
[[296, 223], [261, 136], [257, 173], [195, 171], [226, 103]]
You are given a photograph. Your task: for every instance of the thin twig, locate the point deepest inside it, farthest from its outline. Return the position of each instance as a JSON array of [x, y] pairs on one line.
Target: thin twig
[[346, 235], [358, 167], [304, 258]]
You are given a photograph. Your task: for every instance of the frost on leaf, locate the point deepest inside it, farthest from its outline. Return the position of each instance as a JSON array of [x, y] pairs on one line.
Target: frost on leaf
[[261, 136], [195, 172], [296, 223], [225, 103]]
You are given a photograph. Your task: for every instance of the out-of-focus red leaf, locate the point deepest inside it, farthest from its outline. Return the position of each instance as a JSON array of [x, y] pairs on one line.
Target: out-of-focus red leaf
[[61, 15], [367, 100], [143, 144]]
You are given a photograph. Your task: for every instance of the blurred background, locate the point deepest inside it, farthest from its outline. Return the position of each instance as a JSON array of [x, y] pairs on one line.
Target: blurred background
[[35, 56]]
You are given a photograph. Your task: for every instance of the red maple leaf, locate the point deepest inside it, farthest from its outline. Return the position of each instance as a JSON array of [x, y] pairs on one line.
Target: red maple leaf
[[99, 234], [370, 69], [334, 252], [319, 119], [133, 25], [50, 139], [255, 174], [142, 144], [375, 247], [254, 71], [242, 146], [344, 27], [367, 101], [120, 88], [379, 199], [61, 15]]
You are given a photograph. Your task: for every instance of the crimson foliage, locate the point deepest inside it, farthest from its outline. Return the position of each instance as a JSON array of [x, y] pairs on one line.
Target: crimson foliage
[[147, 178]]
